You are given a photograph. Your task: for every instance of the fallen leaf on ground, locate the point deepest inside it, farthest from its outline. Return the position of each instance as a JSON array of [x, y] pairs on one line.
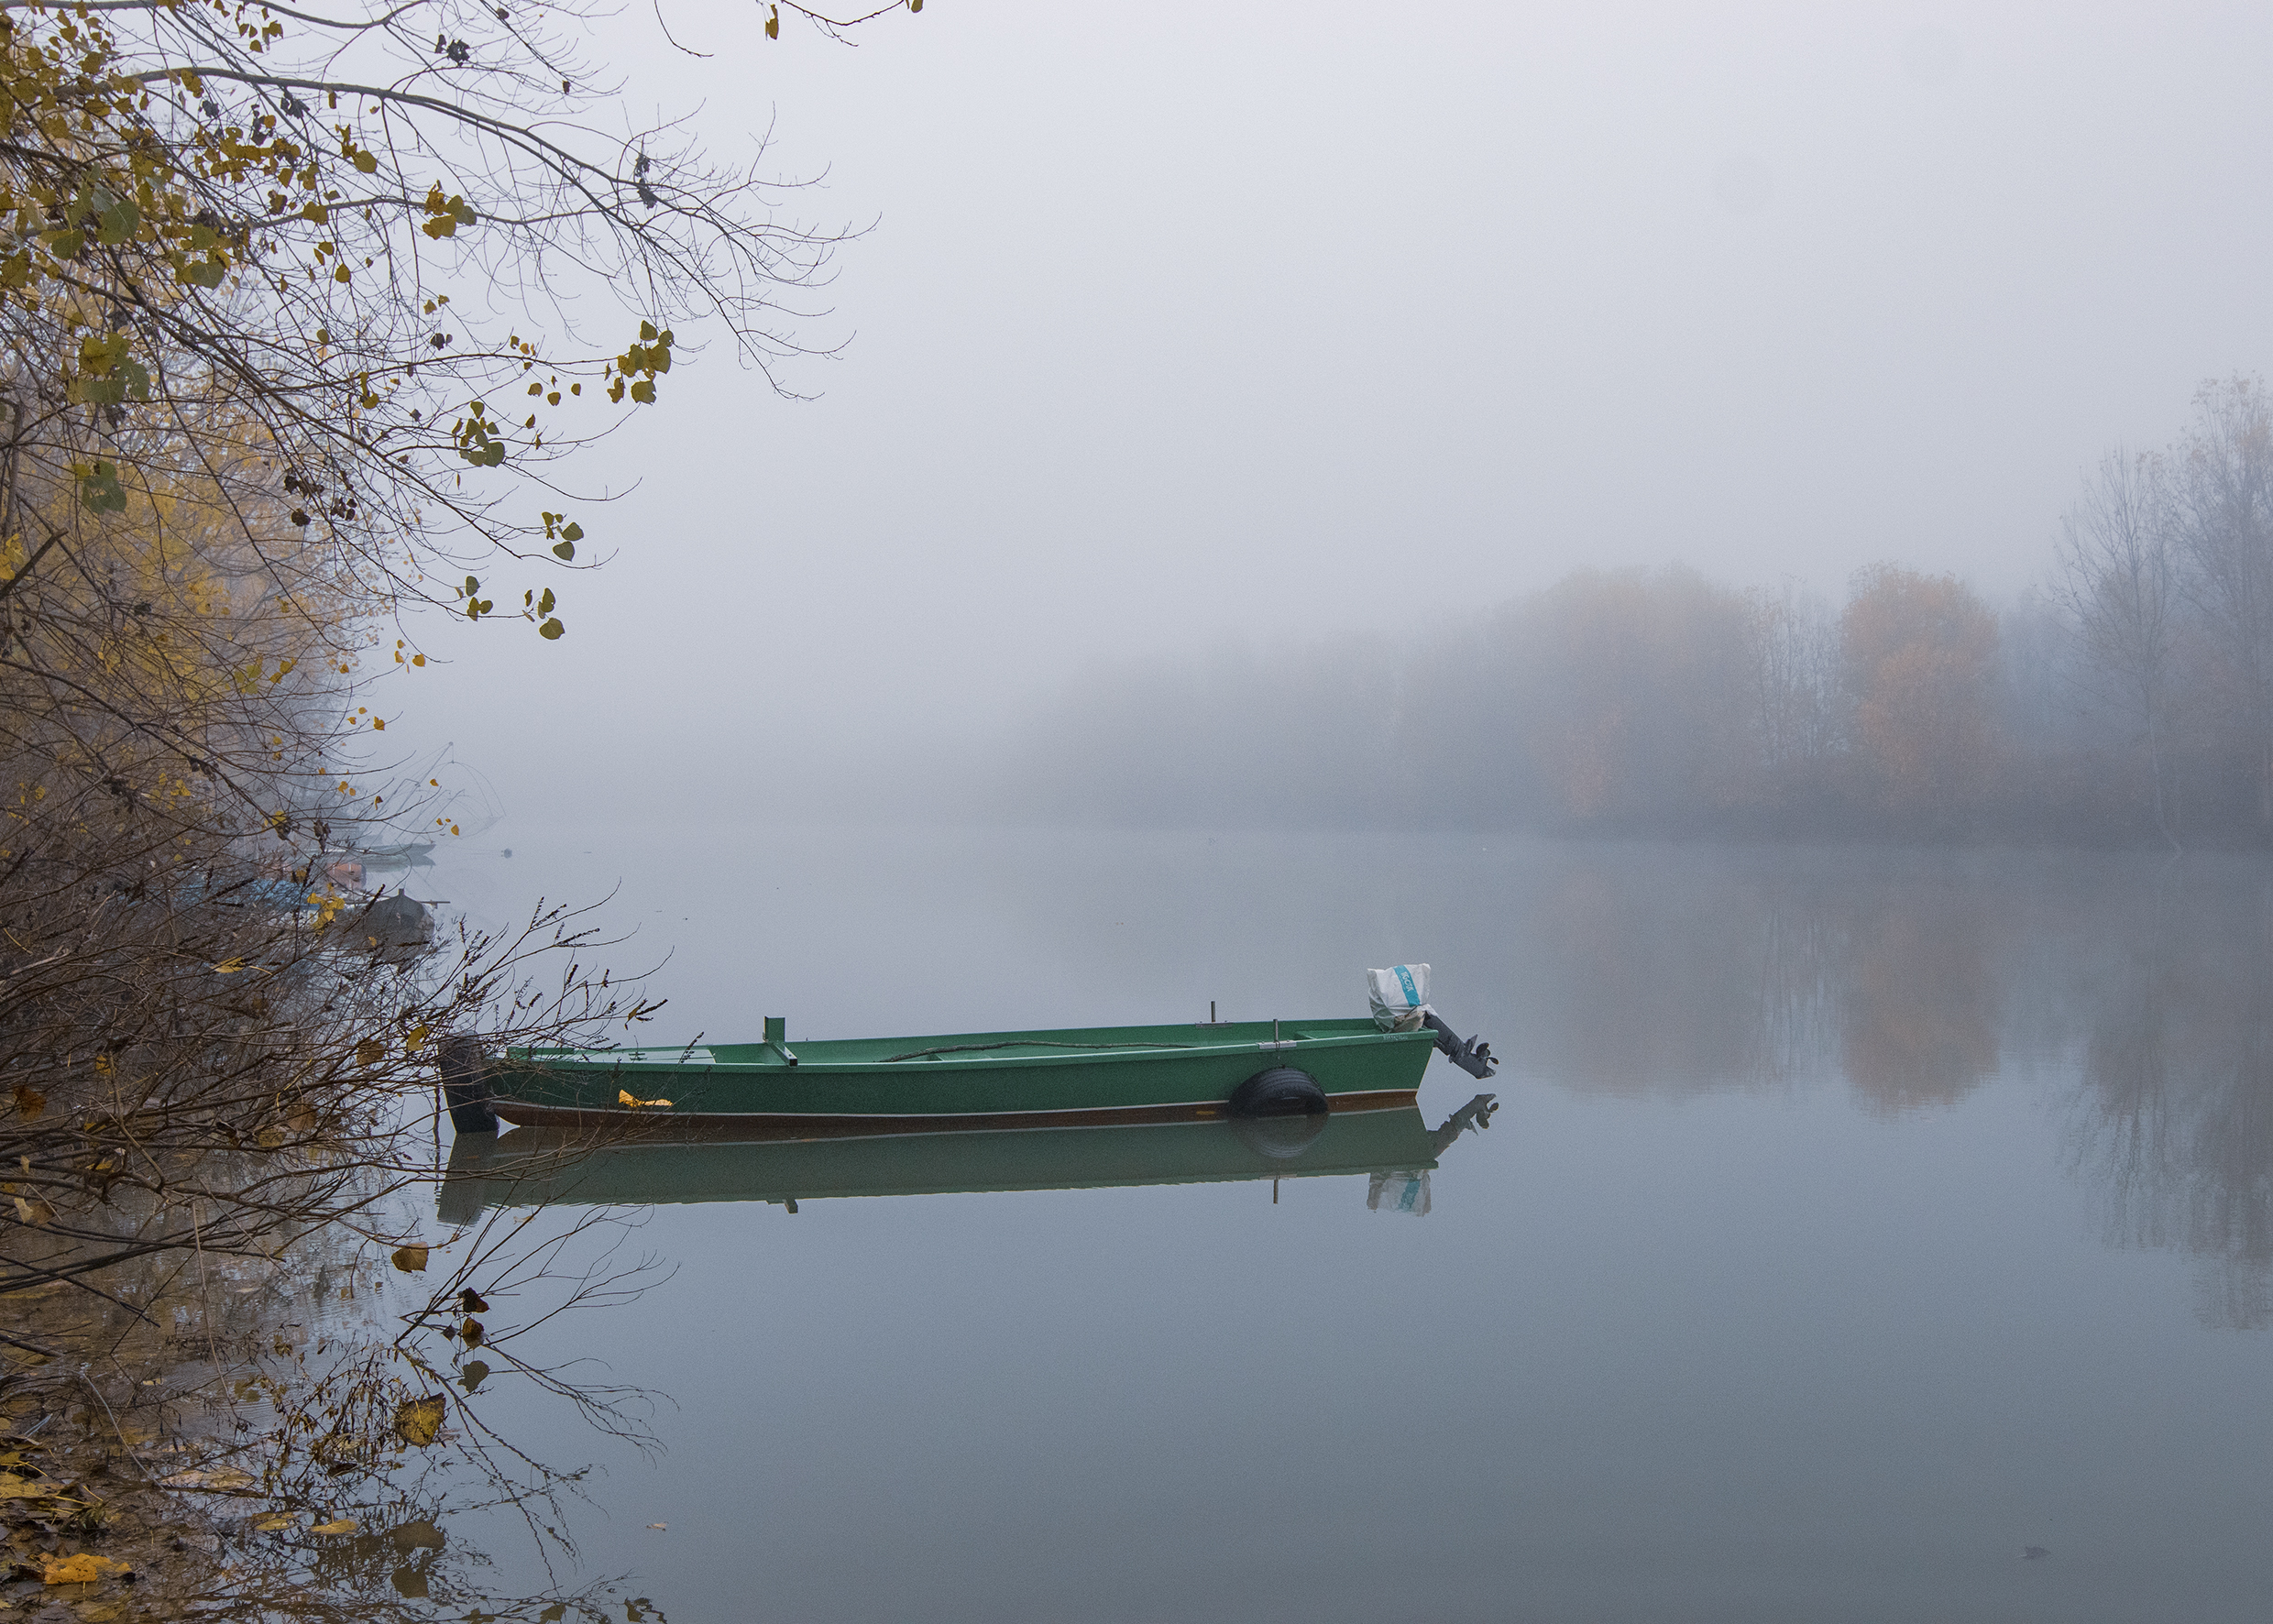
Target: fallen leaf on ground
[[273, 1522], [418, 1420], [33, 1212], [411, 1259], [337, 1525], [83, 1568]]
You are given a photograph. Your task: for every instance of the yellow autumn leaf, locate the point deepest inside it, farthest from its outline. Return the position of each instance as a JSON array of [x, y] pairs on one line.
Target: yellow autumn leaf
[[274, 1522], [15, 1487], [338, 1525], [418, 1420], [83, 1568], [630, 1101], [411, 1259]]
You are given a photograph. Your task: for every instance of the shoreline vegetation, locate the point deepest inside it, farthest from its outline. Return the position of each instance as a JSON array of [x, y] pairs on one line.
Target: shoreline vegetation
[[149, 1472], [2128, 700], [300, 318]]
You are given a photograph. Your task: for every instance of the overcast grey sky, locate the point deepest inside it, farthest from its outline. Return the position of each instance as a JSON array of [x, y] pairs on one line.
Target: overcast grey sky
[[1184, 325]]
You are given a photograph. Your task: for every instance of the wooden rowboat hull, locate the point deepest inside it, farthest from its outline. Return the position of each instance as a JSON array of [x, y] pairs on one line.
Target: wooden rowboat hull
[[1082, 1076]]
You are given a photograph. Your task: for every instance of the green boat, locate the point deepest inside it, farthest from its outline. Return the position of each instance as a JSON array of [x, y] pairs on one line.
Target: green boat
[[547, 1168], [1079, 1076]]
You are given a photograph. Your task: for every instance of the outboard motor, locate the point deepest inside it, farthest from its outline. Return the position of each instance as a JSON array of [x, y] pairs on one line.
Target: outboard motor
[[1475, 1059], [1400, 997]]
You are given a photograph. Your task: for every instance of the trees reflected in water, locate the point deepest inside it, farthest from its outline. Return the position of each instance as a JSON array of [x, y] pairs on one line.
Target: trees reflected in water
[[1921, 997], [2138, 986], [2173, 1119]]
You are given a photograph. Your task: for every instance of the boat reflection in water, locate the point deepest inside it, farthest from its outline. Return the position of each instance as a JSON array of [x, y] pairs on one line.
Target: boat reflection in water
[[534, 1167]]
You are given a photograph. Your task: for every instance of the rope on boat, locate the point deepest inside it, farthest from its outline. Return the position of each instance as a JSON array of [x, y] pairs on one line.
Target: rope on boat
[[964, 1049]]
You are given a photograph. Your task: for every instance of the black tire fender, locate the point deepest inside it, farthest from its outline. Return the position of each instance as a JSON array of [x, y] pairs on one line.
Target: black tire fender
[[1281, 1091]]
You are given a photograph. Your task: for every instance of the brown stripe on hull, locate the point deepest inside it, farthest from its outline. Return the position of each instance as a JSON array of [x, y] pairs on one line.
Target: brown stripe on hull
[[759, 1125]]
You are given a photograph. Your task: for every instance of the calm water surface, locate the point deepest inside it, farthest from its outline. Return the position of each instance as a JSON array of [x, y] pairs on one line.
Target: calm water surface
[[1852, 1224]]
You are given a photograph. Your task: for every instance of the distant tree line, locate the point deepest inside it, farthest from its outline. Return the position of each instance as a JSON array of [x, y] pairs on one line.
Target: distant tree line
[[2130, 698]]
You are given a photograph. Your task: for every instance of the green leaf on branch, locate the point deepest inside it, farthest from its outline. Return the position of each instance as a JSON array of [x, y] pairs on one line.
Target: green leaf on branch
[[108, 373], [116, 223], [99, 489], [551, 629]]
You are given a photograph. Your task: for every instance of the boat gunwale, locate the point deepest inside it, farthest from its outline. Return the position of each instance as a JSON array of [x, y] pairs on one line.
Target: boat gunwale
[[810, 1061]]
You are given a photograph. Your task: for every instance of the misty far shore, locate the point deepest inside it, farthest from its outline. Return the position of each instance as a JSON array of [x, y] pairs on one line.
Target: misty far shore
[[2129, 700]]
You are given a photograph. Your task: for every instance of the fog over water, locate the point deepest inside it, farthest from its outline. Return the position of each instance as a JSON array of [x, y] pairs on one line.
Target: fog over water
[[1160, 603], [1177, 332], [1852, 1223]]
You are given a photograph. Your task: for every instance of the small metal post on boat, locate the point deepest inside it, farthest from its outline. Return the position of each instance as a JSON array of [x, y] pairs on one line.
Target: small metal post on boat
[[776, 1037]]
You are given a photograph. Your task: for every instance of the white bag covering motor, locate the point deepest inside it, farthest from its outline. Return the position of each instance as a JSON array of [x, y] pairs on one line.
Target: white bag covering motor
[[1400, 997]]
